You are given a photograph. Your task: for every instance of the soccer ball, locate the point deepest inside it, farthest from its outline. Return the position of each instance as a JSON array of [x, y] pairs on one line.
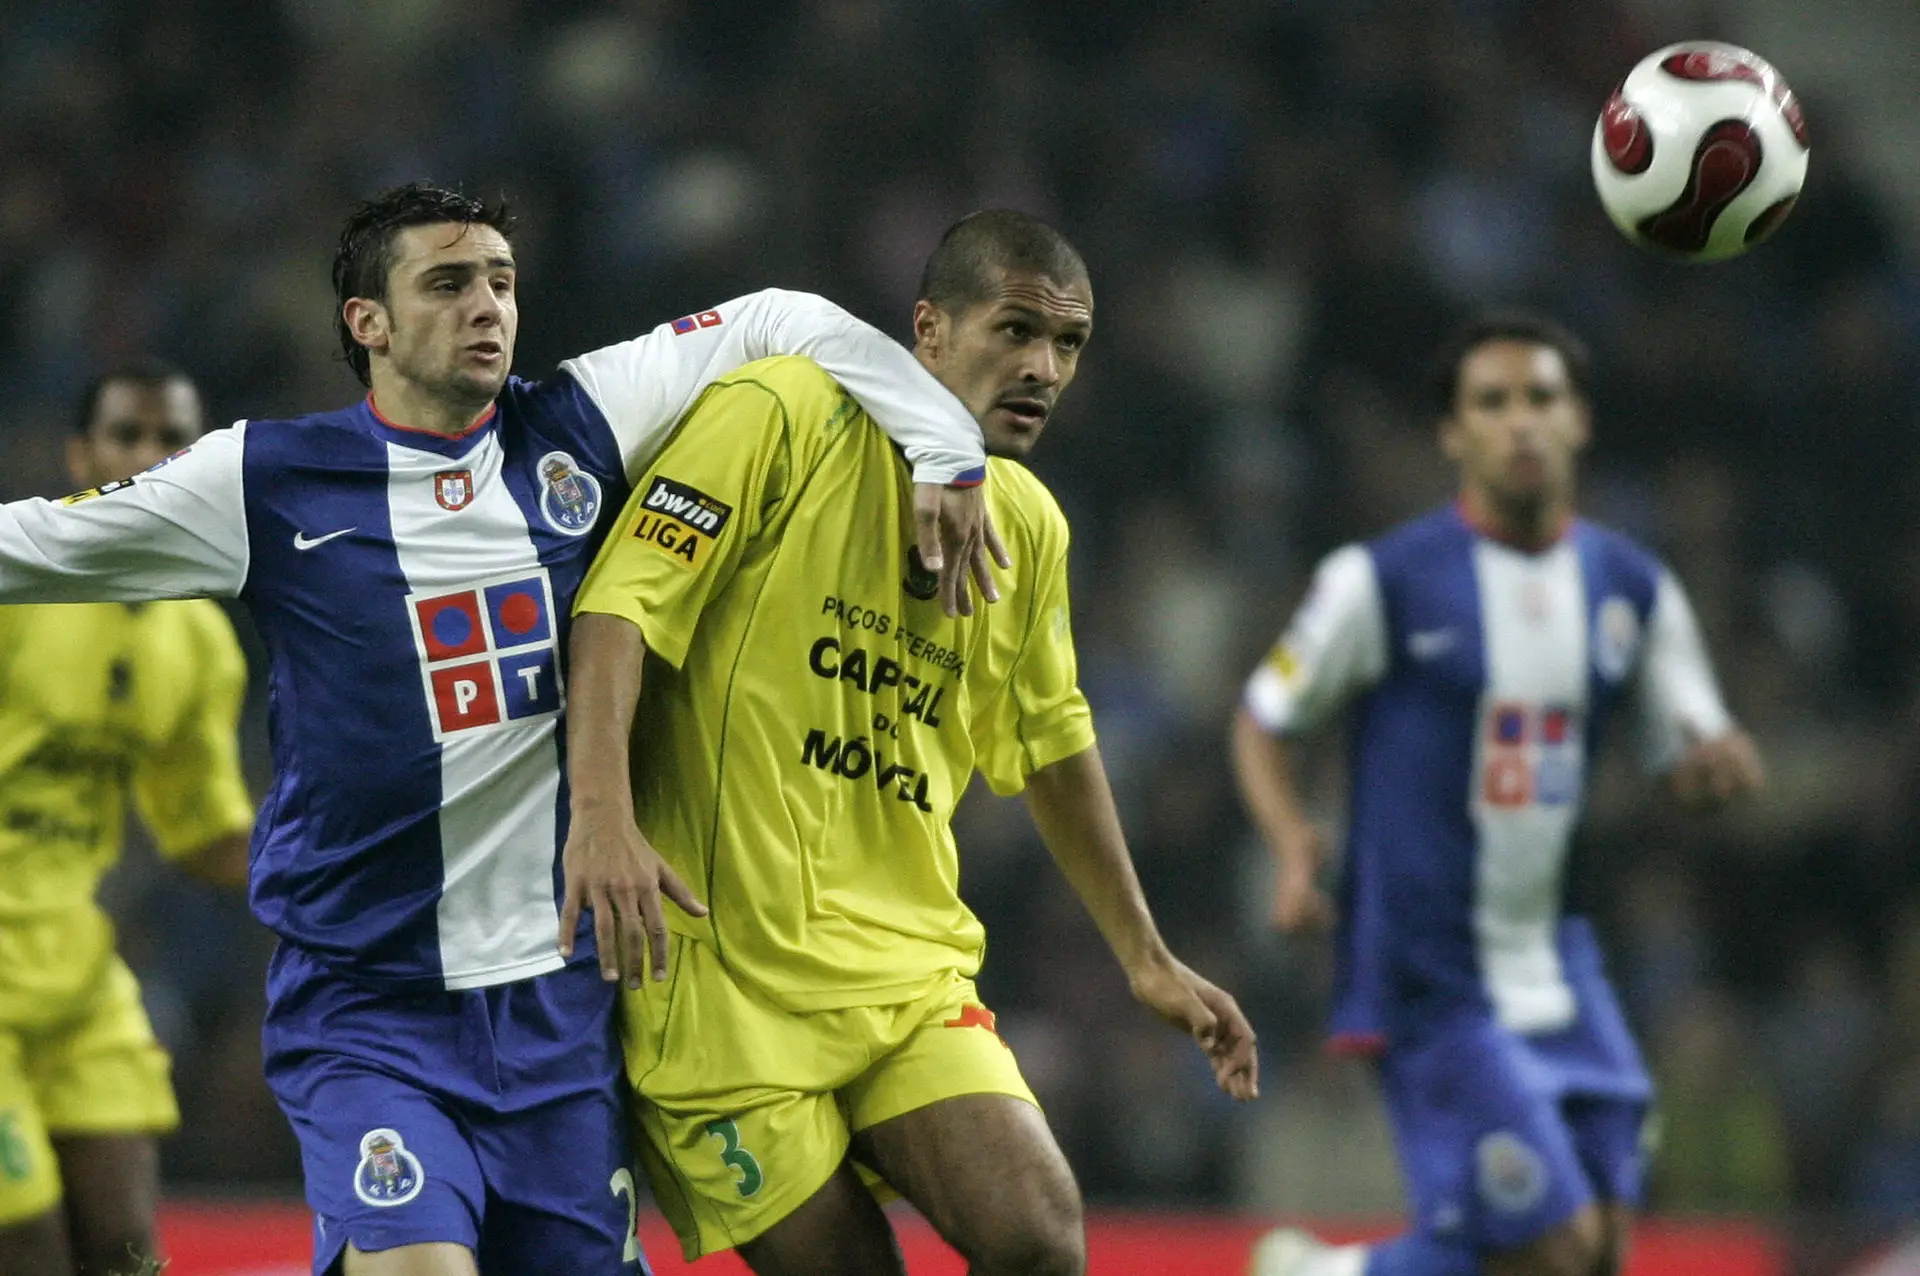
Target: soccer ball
[[1701, 151]]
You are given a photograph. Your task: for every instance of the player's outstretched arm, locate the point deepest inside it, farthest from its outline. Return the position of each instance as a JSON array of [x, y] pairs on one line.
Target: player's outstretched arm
[[179, 531], [645, 385], [608, 865], [1072, 806], [1263, 768], [1686, 728], [221, 862]]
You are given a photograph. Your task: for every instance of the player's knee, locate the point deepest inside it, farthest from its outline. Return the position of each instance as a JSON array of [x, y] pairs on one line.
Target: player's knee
[[1047, 1237], [108, 1251]]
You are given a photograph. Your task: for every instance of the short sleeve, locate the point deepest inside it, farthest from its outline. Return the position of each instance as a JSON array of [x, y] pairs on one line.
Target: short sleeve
[[1677, 696], [191, 790], [702, 500], [1042, 717], [1334, 647]]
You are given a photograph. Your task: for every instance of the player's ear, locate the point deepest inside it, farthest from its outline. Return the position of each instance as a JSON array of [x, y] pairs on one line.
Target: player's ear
[[1448, 431], [1582, 424], [368, 321], [929, 329]]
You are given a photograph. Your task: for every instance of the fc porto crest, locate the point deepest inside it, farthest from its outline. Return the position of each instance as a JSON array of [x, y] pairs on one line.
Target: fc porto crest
[[388, 1174], [569, 496], [453, 489]]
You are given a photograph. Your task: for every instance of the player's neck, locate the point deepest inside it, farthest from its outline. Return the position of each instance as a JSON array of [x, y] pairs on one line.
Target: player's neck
[[1529, 530], [406, 407]]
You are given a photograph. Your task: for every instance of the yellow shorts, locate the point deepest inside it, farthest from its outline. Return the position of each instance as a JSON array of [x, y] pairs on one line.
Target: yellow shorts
[[100, 1072], [749, 1108]]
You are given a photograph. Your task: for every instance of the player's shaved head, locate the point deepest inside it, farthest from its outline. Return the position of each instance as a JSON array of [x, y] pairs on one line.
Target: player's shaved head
[[978, 249], [147, 373], [1525, 327], [363, 263]]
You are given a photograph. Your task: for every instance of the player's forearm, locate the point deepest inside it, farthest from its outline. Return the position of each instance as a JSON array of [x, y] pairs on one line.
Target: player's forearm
[[934, 429], [1072, 806], [605, 656], [1263, 766]]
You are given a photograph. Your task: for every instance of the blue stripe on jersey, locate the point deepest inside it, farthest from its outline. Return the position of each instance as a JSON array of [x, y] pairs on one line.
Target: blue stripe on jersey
[[346, 848], [1425, 708]]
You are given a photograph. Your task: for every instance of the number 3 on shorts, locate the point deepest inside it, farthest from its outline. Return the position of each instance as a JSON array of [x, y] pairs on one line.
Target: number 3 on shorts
[[738, 1157]]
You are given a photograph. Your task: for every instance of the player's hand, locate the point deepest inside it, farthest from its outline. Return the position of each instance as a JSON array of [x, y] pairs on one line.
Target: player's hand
[[1209, 1015], [955, 536], [611, 868], [1713, 772], [1299, 904]]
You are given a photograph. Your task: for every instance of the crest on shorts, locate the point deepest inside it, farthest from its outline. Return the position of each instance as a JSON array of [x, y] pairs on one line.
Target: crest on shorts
[[453, 489], [569, 496], [388, 1174], [1511, 1175]]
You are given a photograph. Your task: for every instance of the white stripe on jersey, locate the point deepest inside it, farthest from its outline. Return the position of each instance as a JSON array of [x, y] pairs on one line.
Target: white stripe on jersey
[[500, 787], [1534, 613]]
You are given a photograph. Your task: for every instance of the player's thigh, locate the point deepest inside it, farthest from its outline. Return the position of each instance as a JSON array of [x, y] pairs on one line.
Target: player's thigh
[[736, 1108], [1488, 1159], [842, 1219], [386, 1167], [29, 1168], [112, 1188], [947, 1120]]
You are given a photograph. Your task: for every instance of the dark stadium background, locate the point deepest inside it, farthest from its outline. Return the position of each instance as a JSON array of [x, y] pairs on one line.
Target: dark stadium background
[[1284, 204]]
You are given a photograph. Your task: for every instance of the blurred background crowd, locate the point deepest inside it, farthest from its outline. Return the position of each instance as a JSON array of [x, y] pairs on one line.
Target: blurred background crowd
[[1284, 204]]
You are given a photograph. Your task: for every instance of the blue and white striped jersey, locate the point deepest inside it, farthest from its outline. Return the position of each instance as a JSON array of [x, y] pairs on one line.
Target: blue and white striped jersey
[[413, 591], [1481, 677]]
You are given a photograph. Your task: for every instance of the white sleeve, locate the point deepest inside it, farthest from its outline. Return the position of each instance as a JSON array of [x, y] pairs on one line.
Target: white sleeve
[[644, 386], [176, 531], [1679, 700], [1335, 646]]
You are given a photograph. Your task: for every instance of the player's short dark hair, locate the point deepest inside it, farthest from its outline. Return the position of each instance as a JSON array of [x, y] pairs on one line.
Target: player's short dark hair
[[1508, 324], [961, 271], [147, 371], [364, 258]]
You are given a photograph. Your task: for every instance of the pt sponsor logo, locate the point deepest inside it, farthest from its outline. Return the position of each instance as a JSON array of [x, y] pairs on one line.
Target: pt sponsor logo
[[680, 521], [488, 653]]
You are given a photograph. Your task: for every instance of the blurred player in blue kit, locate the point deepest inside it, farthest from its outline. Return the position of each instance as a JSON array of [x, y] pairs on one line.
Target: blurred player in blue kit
[[445, 1054], [1483, 648]]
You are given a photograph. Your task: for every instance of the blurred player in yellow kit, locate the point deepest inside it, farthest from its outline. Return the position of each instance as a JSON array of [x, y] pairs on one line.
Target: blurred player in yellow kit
[[810, 720], [100, 702]]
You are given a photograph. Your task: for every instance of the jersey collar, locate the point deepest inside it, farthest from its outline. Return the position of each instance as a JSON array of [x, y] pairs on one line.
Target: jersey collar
[[1480, 528], [428, 440]]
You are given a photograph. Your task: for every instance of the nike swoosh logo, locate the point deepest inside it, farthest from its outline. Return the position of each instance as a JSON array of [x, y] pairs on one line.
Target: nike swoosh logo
[[303, 541]]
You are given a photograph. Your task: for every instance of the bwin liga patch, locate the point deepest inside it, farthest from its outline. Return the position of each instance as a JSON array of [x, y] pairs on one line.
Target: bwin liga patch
[[680, 521]]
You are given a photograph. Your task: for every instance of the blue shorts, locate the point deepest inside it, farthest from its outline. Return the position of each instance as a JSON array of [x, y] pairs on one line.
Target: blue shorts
[[492, 1118], [1503, 1137]]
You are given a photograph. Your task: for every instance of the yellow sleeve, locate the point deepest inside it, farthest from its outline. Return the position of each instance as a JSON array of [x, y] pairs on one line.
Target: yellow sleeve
[[704, 498], [1041, 717], [191, 791]]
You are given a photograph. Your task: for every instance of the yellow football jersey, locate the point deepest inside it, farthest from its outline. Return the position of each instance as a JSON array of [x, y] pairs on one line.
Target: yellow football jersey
[[812, 716], [99, 701]]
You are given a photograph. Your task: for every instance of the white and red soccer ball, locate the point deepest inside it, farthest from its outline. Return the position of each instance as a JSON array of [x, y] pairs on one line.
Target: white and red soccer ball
[[1701, 151]]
